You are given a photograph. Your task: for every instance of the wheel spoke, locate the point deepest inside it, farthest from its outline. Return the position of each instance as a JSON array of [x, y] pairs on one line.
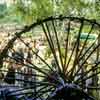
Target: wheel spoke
[[58, 44], [87, 58], [76, 59], [66, 48], [51, 44]]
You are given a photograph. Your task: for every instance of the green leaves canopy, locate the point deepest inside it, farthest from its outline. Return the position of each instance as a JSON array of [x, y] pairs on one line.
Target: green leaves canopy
[[27, 11]]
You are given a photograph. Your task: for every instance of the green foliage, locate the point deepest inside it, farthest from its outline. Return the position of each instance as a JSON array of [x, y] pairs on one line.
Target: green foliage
[[28, 11], [48, 53], [28, 34], [3, 10], [34, 10]]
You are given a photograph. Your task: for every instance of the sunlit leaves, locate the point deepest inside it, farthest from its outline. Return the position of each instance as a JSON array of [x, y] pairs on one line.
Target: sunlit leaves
[[31, 10]]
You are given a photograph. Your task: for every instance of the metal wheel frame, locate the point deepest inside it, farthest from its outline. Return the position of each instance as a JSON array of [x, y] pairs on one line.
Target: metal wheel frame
[[61, 77]]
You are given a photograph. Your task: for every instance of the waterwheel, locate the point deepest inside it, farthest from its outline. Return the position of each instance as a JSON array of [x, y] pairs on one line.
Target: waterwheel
[[57, 58]]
